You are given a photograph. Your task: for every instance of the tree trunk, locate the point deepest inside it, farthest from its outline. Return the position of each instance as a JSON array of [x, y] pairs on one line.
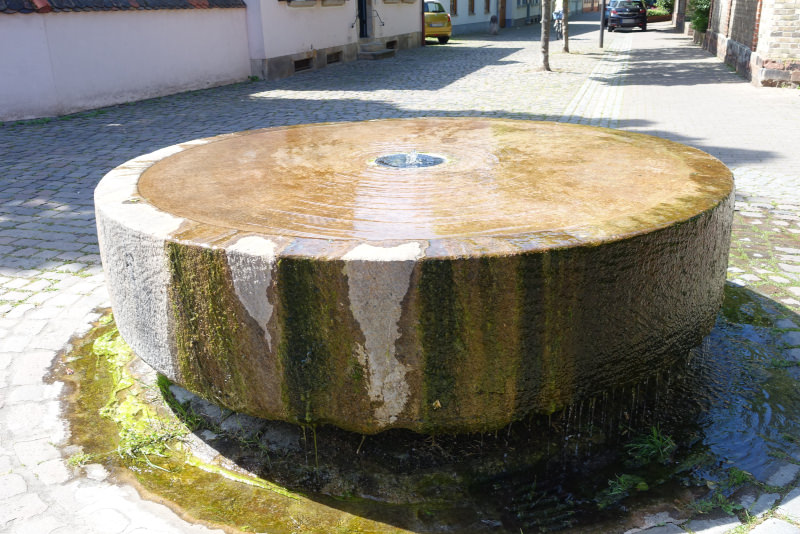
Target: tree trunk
[[546, 12], [565, 21]]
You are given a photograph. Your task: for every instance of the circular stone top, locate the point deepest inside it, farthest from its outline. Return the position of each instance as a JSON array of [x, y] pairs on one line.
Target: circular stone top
[[503, 185]]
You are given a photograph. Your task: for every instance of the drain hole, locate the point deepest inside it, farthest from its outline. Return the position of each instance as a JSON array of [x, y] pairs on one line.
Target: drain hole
[[409, 161]]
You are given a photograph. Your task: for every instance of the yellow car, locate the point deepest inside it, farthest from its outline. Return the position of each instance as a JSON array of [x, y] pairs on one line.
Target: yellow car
[[437, 22]]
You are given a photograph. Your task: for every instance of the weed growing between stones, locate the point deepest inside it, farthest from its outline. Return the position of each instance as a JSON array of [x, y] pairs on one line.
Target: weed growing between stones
[[655, 446]]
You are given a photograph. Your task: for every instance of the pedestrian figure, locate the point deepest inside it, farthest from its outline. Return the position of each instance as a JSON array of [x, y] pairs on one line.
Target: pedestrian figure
[[558, 24]]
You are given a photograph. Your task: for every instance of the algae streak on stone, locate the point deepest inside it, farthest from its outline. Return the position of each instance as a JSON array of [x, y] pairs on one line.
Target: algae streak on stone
[[317, 344], [378, 281], [251, 260], [221, 351]]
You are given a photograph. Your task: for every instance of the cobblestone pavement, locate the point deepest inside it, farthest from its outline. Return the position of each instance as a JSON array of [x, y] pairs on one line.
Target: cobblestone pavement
[[51, 281]]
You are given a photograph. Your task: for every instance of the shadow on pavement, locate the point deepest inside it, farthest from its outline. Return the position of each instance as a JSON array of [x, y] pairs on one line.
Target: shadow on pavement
[[687, 65], [680, 63], [718, 151]]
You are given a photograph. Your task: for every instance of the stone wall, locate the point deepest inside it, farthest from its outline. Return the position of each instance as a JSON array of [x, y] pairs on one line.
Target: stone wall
[[785, 30], [778, 50], [718, 23], [760, 39], [776, 58], [743, 21]]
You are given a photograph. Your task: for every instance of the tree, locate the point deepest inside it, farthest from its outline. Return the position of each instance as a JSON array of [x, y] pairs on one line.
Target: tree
[[565, 21], [546, 9]]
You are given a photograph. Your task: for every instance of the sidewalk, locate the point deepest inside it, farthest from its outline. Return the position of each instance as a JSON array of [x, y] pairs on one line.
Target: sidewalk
[[51, 281]]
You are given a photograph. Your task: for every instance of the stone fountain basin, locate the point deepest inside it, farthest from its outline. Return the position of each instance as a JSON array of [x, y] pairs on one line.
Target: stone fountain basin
[[285, 274]]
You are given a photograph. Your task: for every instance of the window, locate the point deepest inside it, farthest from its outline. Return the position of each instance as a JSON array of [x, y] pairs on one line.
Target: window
[[454, 7]]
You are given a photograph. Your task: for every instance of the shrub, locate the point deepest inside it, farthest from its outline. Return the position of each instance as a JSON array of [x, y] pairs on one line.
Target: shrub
[[665, 5], [700, 10]]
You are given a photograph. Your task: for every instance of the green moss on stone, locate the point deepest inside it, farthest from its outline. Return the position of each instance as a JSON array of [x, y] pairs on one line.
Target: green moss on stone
[[133, 446], [318, 343], [542, 329], [442, 344], [487, 290], [469, 324], [222, 354]]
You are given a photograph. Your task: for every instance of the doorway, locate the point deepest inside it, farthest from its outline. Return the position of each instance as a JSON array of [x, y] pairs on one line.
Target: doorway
[[364, 18]]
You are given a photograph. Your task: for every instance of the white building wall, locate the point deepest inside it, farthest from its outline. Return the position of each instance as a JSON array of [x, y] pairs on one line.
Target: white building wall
[[517, 13], [27, 88], [85, 60], [302, 25], [400, 18], [305, 34], [466, 23], [518, 10]]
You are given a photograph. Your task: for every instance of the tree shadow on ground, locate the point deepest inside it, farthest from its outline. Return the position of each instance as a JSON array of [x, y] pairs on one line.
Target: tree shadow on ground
[[684, 65], [718, 151]]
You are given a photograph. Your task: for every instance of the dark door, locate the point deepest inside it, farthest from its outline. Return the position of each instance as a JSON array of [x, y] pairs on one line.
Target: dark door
[[362, 18], [501, 9]]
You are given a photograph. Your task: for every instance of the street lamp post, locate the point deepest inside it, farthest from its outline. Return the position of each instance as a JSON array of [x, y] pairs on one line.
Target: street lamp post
[[602, 20]]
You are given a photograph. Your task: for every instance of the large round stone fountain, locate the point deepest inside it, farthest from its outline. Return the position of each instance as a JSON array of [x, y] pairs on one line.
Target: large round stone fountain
[[440, 275]]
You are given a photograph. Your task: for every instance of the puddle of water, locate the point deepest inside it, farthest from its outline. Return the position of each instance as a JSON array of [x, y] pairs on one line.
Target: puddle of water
[[725, 416]]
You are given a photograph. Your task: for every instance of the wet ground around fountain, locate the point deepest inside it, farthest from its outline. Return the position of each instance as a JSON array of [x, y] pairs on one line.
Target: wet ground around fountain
[[721, 427]]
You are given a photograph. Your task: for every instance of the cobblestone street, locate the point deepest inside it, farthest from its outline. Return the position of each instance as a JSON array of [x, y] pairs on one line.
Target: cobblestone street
[[52, 283]]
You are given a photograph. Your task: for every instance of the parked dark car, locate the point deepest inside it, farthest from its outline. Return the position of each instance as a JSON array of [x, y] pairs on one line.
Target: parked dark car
[[625, 14]]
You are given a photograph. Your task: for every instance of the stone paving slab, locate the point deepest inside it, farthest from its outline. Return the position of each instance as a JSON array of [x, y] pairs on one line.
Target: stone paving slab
[[759, 505], [776, 526], [666, 529], [51, 280], [712, 526], [790, 505]]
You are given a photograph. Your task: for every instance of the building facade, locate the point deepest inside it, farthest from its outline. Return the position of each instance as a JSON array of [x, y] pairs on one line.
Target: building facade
[[65, 56], [760, 38], [474, 16], [289, 36]]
